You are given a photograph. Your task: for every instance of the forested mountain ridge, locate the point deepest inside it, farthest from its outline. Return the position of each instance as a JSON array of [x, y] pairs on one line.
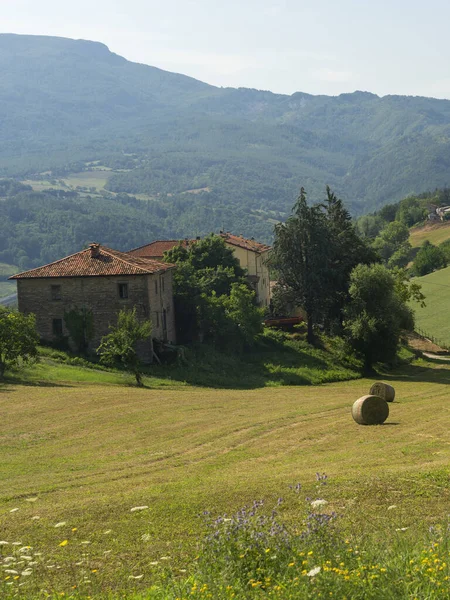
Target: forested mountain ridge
[[66, 102]]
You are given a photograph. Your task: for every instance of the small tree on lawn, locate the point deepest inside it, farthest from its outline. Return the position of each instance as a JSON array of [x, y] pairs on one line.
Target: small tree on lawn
[[120, 345], [18, 338], [377, 312]]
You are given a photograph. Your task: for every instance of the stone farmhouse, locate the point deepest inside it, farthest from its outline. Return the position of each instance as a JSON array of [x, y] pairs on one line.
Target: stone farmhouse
[[101, 281], [252, 256]]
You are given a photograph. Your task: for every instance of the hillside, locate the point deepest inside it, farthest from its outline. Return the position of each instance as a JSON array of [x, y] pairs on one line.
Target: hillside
[[65, 104], [436, 233], [434, 319]]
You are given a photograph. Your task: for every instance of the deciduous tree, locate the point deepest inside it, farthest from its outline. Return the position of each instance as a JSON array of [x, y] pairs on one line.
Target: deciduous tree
[[120, 345], [377, 312], [18, 338]]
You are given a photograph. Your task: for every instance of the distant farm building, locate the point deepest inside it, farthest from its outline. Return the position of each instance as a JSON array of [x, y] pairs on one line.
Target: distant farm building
[[100, 282], [252, 257]]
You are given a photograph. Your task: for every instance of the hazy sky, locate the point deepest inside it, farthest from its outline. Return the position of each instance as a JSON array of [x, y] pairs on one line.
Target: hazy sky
[[319, 47]]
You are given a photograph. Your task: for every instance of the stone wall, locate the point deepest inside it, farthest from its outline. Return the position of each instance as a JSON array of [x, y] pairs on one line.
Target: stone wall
[[160, 291], [101, 296]]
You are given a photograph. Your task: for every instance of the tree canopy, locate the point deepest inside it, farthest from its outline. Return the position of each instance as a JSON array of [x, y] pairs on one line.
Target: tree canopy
[[18, 338]]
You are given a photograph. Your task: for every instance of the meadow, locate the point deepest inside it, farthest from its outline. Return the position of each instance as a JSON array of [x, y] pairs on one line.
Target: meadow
[[436, 233], [91, 179], [104, 485], [433, 319]]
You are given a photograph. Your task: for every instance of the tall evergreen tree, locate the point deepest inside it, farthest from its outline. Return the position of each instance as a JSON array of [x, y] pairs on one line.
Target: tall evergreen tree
[[300, 256]]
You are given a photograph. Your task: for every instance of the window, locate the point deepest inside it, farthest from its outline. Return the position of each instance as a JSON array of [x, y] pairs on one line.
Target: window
[[57, 327], [56, 292], [123, 291], [156, 286]]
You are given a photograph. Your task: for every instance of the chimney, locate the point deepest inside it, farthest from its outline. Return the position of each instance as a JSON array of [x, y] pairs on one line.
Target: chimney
[[95, 250]]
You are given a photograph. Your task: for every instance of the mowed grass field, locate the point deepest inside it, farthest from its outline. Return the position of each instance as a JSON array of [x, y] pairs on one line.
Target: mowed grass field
[[76, 458], [434, 318], [435, 233]]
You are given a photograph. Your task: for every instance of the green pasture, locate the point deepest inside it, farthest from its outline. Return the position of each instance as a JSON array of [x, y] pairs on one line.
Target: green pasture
[[96, 179], [93, 178], [434, 318], [106, 482], [6, 270], [435, 233], [7, 288]]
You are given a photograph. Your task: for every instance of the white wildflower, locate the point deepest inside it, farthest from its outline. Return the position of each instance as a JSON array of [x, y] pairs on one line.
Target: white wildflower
[[16, 544], [38, 554], [27, 572], [9, 559], [14, 510], [319, 503], [135, 576], [165, 558], [3, 543], [402, 528], [11, 571], [85, 542], [25, 548], [392, 507], [146, 537], [154, 563], [32, 563], [35, 518], [27, 557], [51, 566], [313, 572], [31, 499], [136, 508], [107, 531], [60, 524]]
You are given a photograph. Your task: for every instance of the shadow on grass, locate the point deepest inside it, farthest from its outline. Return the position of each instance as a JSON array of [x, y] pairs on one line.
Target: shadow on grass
[[420, 373], [12, 380], [271, 361]]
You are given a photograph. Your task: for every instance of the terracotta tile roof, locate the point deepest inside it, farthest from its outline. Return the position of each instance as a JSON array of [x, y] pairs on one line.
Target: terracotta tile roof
[[157, 248], [96, 261], [241, 242]]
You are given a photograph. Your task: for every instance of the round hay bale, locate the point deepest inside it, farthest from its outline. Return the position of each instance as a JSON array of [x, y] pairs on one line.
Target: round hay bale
[[383, 390], [370, 410]]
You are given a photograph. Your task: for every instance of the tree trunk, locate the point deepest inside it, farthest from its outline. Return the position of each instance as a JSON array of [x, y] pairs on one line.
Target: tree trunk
[[368, 369], [310, 334], [2, 369], [138, 376]]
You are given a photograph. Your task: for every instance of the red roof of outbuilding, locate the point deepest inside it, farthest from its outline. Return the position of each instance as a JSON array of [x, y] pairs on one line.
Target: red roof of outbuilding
[[106, 262], [157, 248], [242, 242]]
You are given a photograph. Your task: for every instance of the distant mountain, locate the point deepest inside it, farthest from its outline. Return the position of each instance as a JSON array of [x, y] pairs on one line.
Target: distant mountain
[[65, 102]]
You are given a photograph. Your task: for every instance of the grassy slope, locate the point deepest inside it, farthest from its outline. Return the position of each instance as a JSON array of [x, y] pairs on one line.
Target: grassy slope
[[434, 318], [7, 287], [434, 233], [91, 452]]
